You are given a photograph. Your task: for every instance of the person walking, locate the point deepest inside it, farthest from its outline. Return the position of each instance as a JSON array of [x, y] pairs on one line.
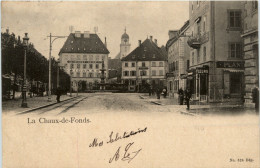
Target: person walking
[[164, 92], [181, 96], [58, 93], [158, 92], [255, 97], [187, 95]]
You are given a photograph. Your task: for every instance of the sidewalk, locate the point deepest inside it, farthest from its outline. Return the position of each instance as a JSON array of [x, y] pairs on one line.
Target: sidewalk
[[34, 102], [196, 107]]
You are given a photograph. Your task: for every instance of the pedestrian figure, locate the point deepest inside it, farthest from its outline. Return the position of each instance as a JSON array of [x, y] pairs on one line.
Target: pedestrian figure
[[187, 95], [164, 92], [58, 93], [150, 90], [255, 96], [158, 92], [181, 96]]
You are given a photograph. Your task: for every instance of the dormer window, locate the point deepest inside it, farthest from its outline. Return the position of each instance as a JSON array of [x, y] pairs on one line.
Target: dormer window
[[71, 42], [71, 48], [78, 49], [153, 55], [84, 49]]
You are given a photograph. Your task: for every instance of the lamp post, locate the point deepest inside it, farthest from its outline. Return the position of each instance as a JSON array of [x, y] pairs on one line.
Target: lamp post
[[51, 41], [25, 43], [58, 73]]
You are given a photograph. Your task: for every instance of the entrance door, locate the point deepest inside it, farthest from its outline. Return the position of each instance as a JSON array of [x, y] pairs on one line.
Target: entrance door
[[235, 83]]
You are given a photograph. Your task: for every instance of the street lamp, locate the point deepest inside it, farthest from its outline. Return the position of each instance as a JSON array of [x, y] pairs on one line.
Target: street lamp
[[51, 41], [25, 44]]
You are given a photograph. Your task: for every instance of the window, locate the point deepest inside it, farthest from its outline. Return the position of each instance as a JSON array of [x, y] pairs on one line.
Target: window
[[71, 73], [198, 56], [161, 72], [153, 64], [132, 82], [71, 66], [177, 65], [90, 66], [234, 19], [78, 66], [204, 24], [153, 72], [97, 66], [84, 74], [78, 57], [192, 58], [160, 64], [90, 75], [91, 58], [78, 74], [143, 73], [126, 64], [204, 54], [133, 64], [235, 50], [133, 73], [198, 27], [255, 5], [84, 66], [126, 73], [72, 57], [125, 49], [84, 57], [188, 64], [103, 57], [143, 64]]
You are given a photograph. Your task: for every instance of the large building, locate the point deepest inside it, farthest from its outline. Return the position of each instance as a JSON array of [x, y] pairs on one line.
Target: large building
[[178, 53], [82, 56], [250, 37], [145, 65], [216, 58]]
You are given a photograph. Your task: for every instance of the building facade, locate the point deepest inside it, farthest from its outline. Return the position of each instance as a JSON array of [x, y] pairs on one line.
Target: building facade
[[178, 60], [250, 41], [145, 66], [216, 59], [81, 57]]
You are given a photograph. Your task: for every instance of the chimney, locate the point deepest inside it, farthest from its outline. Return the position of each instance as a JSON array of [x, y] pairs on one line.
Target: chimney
[[19, 40], [86, 34], [140, 42], [77, 33], [172, 33], [151, 38], [106, 41], [155, 41]]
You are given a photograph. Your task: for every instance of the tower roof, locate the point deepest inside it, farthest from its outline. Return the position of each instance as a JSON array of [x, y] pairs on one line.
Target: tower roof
[[125, 35]]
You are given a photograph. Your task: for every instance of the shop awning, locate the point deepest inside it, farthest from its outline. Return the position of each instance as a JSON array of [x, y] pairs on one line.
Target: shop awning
[[234, 70]]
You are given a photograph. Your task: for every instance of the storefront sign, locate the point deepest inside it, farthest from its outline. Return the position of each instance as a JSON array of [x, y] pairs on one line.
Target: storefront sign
[[230, 64], [84, 61], [143, 68], [202, 70], [169, 75]]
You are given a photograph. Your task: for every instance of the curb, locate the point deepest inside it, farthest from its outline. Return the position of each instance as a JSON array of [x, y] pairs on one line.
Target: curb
[[186, 113], [47, 105], [157, 103]]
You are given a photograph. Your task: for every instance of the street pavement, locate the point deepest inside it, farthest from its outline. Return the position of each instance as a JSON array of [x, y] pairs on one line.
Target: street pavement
[[92, 103]]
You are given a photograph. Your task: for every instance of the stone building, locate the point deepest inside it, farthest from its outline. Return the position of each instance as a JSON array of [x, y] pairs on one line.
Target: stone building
[[178, 53], [216, 58], [81, 57], [145, 66], [125, 46], [250, 37]]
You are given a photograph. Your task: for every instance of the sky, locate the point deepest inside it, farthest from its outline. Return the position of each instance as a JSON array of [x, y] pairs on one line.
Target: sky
[[141, 19]]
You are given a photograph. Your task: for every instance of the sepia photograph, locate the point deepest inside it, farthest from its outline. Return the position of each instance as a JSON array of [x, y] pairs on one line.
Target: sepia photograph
[[138, 84]]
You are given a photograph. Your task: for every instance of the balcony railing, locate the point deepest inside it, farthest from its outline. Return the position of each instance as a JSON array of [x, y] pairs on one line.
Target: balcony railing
[[196, 41]]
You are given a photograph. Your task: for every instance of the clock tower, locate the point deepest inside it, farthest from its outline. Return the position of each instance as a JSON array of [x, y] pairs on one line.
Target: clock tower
[[125, 45]]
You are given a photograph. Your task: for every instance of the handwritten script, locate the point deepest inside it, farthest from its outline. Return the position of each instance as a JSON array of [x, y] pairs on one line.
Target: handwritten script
[[125, 153]]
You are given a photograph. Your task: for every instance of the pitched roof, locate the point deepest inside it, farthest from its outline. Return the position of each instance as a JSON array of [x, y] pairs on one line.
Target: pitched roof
[[147, 51], [92, 44]]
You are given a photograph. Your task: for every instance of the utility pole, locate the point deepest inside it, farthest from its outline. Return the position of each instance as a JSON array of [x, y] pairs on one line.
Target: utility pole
[[51, 41]]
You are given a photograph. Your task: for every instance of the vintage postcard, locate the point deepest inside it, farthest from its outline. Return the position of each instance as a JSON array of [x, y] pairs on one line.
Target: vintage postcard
[[138, 84]]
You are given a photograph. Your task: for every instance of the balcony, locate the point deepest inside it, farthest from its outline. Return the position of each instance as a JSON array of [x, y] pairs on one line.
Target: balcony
[[194, 42]]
